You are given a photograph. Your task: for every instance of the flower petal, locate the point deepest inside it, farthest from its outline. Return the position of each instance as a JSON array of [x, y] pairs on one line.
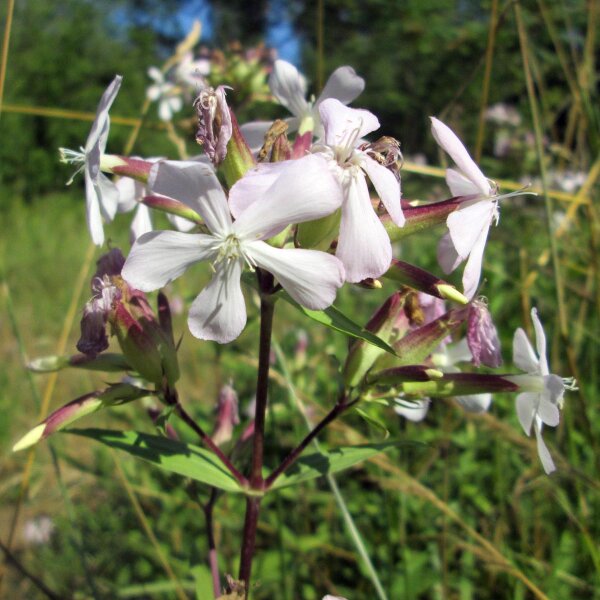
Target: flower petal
[[387, 187], [94, 217], [472, 272], [466, 224], [310, 277], [450, 143], [141, 223], [548, 412], [130, 192], [253, 185], [158, 257], [554, 389], [459, 184], [341, 122], [343, 85], [219, 312], [413, 410], [195, 184], [526, 405], [447, 255], [523, 355], [100, 122], [363, 245], [475, 403], [289, 87], [108, 196], [305, 190], [543, 451], [540, 342]]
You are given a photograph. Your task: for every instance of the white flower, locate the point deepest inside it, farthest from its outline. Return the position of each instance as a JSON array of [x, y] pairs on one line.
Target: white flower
[[101, 194], [192, 72], [165, 93], [469, 225], [219, 313], [363, 246], [539, 405], [289, 87]]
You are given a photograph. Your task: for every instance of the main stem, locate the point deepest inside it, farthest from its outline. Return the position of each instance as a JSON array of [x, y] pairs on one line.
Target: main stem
[[257, 483]]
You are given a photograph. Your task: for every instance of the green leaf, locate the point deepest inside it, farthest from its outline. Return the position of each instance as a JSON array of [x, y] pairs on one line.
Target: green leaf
[[333, 318], [170, 455], [323, 463]]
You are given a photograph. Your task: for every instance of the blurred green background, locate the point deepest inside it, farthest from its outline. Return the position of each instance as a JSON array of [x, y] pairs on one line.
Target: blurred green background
[[462, 510]]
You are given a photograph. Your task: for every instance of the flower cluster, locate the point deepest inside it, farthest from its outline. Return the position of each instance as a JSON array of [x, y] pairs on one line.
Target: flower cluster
[[307, 223]]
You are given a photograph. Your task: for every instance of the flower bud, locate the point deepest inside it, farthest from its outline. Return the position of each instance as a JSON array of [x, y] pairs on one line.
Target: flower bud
[[383, 323], [482, 336], [227, 415], [147, 348], [171, 207], [80, 407], [419, 279]]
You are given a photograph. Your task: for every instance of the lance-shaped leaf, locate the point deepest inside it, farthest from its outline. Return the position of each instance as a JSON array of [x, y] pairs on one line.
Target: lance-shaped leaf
[[419, 279], [334, 319], [170, 455], [108, 362], [417, 345], [453, 384], [120, 393], [388, 321], [317, 464], [172, 207], [424, 216]]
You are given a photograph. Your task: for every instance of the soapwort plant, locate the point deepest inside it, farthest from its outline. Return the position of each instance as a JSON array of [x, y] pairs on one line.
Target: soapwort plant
[[290, 222]]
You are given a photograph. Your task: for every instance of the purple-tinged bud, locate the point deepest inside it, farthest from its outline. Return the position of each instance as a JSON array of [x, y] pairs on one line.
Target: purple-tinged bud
[[120, 393], [448, 385], [172, 207], [383, 323], [214, 123], [417, 346], [227, 415], [135, 168], [164, 316], [482, 336], [423, 281], [239, 159], [423, 217], [147, 348]]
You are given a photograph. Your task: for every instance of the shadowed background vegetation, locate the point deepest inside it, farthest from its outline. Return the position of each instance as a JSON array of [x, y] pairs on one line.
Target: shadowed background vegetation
[[461, 509]]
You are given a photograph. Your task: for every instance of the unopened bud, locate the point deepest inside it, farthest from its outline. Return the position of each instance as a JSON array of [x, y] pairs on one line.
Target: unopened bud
[[78, 408], [227, 415], [423, 281], [363, 355], [172, 207], [418, 345]]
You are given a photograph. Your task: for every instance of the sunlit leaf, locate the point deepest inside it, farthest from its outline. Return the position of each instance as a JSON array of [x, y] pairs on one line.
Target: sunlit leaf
[[170, 455]]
